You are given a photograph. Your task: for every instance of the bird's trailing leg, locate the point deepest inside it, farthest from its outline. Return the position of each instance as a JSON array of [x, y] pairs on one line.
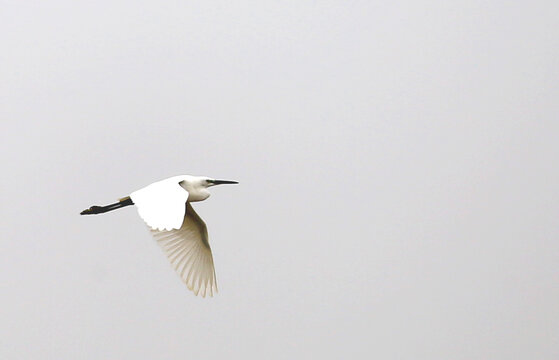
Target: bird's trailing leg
[[103, 209]]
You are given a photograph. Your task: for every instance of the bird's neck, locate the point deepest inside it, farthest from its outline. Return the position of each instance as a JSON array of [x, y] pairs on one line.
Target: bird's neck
[[198, 195], [195, 192]]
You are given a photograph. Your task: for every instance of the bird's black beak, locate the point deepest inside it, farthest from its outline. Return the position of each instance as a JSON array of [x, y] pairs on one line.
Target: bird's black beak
[[219, 182]]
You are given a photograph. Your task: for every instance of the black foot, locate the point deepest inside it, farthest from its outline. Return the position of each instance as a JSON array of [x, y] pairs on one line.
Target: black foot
[[92, 210]]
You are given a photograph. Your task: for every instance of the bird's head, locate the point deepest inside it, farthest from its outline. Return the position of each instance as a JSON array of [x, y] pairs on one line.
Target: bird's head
[[197, 186]]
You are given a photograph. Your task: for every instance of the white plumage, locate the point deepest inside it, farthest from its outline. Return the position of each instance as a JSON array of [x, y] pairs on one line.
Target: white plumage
[[177, 228], [161, 204]]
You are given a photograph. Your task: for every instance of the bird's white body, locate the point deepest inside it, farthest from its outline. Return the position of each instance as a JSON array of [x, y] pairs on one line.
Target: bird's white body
[[165, 207], [161, 204]]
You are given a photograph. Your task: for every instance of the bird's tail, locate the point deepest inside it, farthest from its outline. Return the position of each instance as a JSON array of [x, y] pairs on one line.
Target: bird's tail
[[103, 209]]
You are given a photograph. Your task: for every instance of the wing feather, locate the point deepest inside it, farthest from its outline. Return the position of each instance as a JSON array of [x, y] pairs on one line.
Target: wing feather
[[188, 250], [161, 204]]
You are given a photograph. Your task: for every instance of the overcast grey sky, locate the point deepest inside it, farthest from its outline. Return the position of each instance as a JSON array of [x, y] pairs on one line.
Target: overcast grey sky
[[398, 164]]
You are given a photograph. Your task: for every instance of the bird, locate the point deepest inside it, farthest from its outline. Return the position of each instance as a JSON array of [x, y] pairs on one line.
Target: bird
[[165, 206]]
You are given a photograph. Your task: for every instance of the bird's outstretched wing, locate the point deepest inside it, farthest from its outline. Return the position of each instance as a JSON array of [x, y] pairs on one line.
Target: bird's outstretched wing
[[161, 204], [189, 252]]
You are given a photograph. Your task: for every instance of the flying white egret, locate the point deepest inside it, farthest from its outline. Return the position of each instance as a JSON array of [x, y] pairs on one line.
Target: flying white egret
[[181, 233]]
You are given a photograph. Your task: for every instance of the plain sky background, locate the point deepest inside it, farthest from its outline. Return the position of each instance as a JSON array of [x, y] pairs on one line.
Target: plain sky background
[[398, 163]]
